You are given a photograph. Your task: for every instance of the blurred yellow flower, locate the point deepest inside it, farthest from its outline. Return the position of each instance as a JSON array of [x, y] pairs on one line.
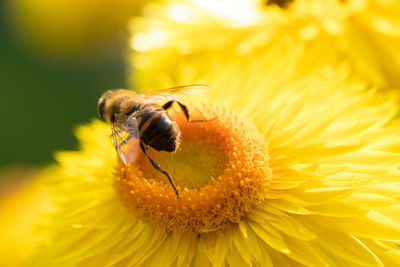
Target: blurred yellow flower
[[366, 33], [73, 29], [20, 212], [296, 169]]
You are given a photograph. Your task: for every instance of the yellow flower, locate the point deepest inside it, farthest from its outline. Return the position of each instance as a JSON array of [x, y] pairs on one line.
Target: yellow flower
[[20, 211], [363, 32], [295, 169]]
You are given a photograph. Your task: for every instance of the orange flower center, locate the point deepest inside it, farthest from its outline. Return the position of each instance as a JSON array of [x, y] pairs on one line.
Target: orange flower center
[[220, 170]]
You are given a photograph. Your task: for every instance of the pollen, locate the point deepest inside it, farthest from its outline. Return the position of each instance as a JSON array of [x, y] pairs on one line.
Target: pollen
[[220, 170]]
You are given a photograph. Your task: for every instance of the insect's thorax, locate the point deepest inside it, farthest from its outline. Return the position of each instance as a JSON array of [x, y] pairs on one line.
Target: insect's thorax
[[119, 105]]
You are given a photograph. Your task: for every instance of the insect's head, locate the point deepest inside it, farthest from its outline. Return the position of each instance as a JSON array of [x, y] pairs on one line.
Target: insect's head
[[101, 105]]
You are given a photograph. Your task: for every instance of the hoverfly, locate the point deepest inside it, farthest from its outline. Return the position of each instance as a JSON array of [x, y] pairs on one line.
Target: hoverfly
[[137, 117]]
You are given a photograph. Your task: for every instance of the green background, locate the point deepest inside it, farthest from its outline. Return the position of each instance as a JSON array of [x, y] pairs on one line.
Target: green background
[[43, 99]]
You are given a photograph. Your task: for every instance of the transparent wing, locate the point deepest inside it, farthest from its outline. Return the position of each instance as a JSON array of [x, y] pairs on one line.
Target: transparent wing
[[125, 138], [174, 93]]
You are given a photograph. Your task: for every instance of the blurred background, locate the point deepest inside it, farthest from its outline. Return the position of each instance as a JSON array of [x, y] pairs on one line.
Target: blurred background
[[54, 65]]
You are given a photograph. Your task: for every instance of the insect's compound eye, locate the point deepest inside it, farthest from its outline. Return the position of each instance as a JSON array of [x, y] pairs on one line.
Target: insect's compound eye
[[102, 102], [100, 107]]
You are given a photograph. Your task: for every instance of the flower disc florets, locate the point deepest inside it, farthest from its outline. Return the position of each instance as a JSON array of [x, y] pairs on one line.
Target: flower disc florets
[[220, 169]]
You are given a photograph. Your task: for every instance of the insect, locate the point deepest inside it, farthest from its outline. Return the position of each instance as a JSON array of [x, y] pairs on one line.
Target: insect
[[137, 117]]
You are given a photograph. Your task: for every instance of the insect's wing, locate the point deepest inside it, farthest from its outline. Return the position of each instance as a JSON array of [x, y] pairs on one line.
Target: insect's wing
[[126, 139], [173, 93]]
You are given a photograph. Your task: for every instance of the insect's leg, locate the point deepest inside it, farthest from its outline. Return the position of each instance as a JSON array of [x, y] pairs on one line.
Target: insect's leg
[[184, 109], [120, 145], [126, 140], [117, 131], [117, 145], [167, 105], [155, 165], [119, 148]]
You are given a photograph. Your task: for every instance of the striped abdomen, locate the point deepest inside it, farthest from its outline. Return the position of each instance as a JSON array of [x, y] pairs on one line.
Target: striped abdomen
[[157, 130]]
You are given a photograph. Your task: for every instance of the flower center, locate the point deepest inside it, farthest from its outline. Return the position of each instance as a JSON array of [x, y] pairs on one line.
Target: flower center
[[220, 170]]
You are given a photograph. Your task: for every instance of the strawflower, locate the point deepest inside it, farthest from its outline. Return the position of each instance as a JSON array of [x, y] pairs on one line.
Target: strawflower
[[365, 33], [22, 207], [294, 170]]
